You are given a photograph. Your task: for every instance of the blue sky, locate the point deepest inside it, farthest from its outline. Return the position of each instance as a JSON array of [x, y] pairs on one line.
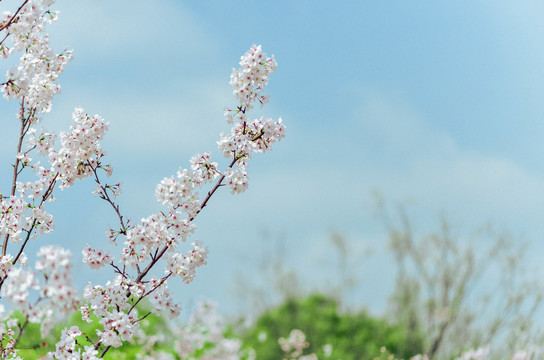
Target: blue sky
[[435, 102]]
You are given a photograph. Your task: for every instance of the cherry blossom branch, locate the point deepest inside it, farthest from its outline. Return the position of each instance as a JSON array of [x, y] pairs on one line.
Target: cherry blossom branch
[[106, 197], [117, 270], [149, 292], [25, 126], [104, 352], [217, 185], [21, 330], [45, 196], [142, 274], [143, 317], [29, 232], [13, 17], [15, 173]]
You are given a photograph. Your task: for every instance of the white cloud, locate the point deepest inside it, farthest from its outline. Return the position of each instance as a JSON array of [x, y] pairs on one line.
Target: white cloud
[[412, 160]]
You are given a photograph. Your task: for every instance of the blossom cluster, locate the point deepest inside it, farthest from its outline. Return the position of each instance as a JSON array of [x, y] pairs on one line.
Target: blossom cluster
[[16, 288], [80, 151], [55, 264], [12, 218], [161, 298], [35, 79], [156, 231], [185, 264], [252, 77], [57, 292], [66, 347], [114, 310], [96, 258], [9, 340]]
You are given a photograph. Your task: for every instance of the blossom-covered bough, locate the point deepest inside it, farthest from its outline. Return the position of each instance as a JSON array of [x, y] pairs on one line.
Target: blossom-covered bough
[[44, 293]]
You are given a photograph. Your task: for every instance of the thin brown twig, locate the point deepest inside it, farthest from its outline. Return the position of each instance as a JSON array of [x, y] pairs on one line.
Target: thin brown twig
[[15, 174], [107, 198], [105, 351], [21, 330], [210, 193], [118, 270], [143, 317], [149, 292], [13, 17]]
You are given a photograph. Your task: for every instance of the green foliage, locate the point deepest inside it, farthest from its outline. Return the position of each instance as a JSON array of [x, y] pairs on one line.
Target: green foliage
[[351, 335], [32, 346]]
